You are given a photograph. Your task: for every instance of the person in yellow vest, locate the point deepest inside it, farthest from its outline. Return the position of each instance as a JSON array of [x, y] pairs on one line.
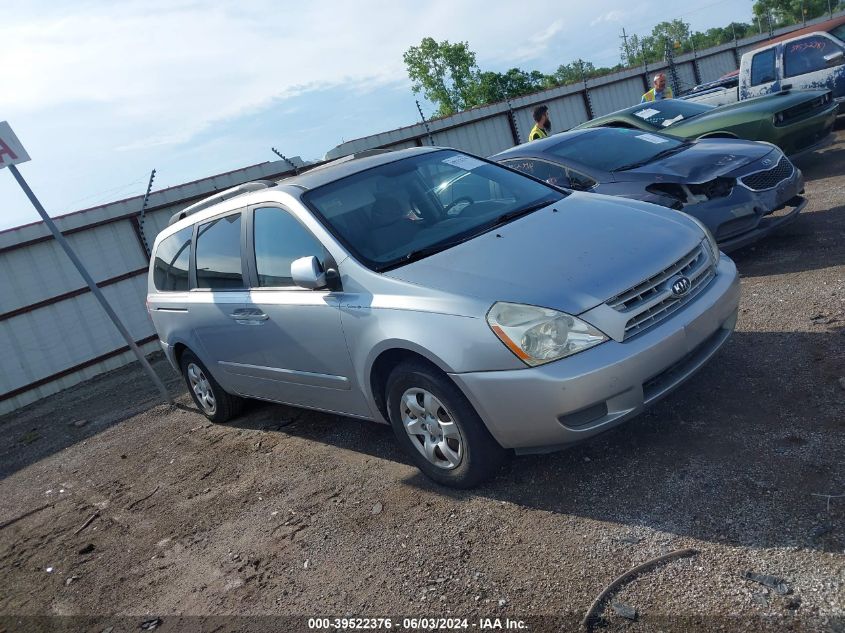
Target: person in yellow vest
[[542, 123], [660, 90]]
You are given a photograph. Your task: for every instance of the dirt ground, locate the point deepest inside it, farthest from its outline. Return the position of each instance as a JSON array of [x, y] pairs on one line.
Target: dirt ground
[[294, 513]]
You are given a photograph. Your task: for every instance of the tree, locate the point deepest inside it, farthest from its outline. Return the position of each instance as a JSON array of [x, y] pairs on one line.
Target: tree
[[445, 73], [676, 32], [573, 72], [785, 12]]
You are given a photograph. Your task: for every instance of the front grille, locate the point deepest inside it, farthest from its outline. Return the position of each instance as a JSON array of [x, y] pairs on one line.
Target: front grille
[[791, 115], [768, 178], [651, 301]]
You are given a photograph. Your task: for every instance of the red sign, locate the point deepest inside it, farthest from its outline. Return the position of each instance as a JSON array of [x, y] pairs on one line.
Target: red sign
[[11, 150]]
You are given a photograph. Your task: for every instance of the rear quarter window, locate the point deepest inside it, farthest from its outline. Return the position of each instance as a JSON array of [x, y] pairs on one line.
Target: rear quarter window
[[172, 261], [763, 68]]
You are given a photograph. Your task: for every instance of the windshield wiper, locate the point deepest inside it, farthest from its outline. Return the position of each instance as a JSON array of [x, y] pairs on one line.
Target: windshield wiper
[[657, 156], [518, 213]]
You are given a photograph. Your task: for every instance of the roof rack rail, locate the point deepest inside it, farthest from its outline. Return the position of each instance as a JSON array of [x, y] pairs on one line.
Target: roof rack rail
[[254, 185]]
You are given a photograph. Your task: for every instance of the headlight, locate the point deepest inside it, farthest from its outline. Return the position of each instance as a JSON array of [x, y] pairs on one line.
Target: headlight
[[714, 247], [540, 335]]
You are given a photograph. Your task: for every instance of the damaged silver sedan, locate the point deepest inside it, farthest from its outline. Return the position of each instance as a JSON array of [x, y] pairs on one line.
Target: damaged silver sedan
[[740, 190]]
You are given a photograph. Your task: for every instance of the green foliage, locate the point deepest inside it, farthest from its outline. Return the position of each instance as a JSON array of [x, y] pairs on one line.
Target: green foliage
[[448, 76], [786, 12], [445, 73]]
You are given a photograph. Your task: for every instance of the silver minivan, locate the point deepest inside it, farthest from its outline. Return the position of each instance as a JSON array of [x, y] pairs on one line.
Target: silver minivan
[[478, 311]]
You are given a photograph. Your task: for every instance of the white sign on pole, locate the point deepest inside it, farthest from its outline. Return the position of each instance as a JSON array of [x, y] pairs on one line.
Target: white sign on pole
[[11, 150]]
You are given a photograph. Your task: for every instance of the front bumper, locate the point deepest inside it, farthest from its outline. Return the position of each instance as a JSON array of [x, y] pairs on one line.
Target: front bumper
[[805, 135], [544, 408], [745, 216], [767, 224]]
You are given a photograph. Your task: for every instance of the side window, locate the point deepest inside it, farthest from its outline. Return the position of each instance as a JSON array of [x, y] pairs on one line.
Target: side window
[[279, 240], [579, 181], [469, 187], [552, 174], [763, 67], [806, 55], [172, 259], [219, 254]]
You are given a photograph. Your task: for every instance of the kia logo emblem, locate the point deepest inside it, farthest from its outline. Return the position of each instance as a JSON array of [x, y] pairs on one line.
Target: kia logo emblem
[[681, 286]]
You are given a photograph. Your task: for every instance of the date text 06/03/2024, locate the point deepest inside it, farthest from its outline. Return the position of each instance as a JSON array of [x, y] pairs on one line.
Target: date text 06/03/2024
[[352, 624]]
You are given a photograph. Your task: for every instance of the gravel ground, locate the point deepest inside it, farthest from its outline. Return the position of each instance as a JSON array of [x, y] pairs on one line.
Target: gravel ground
[[292, 513]]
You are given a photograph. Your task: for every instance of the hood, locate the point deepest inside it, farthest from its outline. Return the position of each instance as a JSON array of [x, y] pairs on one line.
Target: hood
[[770, 103], [702, 161], [590, 249]]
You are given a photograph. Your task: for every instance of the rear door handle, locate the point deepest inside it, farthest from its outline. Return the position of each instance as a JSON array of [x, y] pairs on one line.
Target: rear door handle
[[249, 316]]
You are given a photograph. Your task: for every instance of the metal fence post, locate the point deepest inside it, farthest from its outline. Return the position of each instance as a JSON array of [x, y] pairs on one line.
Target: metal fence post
[[696, 72], [286, 159], [425, 123], [141, 217], [92, 285], [513, 125], [588, 102]]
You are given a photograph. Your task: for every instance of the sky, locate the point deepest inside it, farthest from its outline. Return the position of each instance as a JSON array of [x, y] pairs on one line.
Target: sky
[[100, 93]]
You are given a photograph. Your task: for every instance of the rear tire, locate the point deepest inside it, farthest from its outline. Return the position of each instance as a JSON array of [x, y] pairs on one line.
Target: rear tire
[[214, 403], [439, 428]]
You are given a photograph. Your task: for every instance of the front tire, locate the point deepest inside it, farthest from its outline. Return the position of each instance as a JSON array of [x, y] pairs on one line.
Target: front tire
[[217, 405], [439, 429]]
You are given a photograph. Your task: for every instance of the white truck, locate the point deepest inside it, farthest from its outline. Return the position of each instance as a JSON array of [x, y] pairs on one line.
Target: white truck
[[809, 58]]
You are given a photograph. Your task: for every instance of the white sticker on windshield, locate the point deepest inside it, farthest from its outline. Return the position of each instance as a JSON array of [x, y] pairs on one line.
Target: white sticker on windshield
[[467, 163], [651, 138], [669, 122], [647, 113]]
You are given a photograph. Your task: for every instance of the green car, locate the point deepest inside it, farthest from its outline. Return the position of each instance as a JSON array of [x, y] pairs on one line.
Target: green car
[[795, 121]]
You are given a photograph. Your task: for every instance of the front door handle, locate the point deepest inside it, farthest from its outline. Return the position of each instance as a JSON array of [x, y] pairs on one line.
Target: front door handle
[[249, 316]]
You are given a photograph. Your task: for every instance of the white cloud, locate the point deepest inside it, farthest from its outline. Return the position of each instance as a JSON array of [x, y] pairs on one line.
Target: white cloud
[[614, 15], [537, 43], [165, 71]]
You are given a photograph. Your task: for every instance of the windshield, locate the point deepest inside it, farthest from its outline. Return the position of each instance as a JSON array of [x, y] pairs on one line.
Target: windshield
[[667, 112], [610, 149], [398, 212]]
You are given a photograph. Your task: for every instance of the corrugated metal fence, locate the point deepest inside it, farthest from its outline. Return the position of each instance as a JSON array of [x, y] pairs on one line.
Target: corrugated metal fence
[[53, 333], [492, 128]]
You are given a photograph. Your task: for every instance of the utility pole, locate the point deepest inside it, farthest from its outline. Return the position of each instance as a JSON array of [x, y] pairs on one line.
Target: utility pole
[[803, 13], [771, 28], [760, 26], [624, 37], [14, 153], [829, 10], [425, 123]]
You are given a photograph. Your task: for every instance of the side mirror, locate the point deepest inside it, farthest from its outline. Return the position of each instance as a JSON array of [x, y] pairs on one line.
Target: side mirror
[[835, 58], [307, 272]]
